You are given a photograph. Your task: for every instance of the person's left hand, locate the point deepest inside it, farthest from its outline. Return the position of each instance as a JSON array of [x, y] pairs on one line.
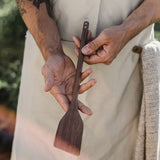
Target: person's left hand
[[105, 47], [59, 74]]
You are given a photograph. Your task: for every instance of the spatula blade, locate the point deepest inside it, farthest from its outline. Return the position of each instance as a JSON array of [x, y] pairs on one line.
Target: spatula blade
[[69, 133]]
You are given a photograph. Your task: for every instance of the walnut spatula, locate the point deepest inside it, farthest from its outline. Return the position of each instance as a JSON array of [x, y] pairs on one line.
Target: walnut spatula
[[70, 128]]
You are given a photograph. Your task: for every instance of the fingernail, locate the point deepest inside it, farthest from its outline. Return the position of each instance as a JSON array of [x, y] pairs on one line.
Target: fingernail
[[46, 89], [90, 112], [94, 81], [85, 49], [89, 71]]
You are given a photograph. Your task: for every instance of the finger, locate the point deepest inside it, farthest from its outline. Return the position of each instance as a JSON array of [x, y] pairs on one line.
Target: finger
[[93, 59], [102, 56], [76, 41], [108, 58], [108, 62], [89, 36], [102, 53], [62, 100], [84, 87], [84, 109], [49, 78], [92, 46], [85, 74], [77, 51]]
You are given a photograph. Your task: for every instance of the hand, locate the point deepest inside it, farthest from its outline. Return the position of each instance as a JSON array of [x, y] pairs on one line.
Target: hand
[[59, 75], [105, 47]]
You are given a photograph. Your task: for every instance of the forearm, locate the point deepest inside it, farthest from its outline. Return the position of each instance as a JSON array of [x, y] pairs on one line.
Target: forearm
[[41, 25], [147, 13]]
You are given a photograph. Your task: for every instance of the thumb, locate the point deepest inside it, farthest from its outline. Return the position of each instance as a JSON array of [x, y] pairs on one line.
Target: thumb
[[92, 46], [49, 78]]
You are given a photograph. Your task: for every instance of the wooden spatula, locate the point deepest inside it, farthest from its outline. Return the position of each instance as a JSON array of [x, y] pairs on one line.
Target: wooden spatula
[[70, 128]]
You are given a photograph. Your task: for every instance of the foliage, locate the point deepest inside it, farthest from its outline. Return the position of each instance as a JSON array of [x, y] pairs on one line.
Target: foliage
[[12, 31], [157, 30]]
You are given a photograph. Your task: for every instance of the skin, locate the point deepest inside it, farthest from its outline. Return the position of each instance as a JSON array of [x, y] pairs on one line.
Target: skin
[[105, 47], [58, 70], [36, 3]]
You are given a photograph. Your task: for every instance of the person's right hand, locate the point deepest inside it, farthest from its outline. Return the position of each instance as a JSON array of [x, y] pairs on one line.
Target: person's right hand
[[59, 75], [105, 47]]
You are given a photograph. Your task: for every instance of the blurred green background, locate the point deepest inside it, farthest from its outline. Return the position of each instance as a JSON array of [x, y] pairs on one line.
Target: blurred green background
[[12, 34]]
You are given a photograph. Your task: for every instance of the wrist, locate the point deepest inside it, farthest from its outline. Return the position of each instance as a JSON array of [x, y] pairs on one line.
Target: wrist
[[122, 32], [49, 42], [49, 50], [139, 19], [128, 30]]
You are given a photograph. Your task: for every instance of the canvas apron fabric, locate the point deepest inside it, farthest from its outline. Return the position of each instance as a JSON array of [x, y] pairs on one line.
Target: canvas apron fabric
[[111, 132]]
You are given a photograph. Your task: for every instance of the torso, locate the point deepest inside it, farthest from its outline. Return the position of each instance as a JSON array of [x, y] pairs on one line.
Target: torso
[[70, 14], [110, 133]]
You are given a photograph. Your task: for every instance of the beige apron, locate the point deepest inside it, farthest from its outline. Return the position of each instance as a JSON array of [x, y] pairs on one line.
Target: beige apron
[[110, 134]]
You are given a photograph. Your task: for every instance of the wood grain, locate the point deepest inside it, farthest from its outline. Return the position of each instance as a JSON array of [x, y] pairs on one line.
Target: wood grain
[[70, 128]]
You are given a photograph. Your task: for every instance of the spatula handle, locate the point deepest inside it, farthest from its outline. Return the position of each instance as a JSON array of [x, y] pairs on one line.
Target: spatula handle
[[79, 65]]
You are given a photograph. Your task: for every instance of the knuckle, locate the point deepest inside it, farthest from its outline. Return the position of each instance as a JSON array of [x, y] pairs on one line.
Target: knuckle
[[108, 62], [103, 35], [88, 62], [80, 105], [90, 85], [93, 44], [105, 47], [104, 57]]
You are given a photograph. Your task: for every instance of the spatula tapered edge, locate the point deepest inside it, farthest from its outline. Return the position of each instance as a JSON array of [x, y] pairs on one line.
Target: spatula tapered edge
[[69, 133]]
